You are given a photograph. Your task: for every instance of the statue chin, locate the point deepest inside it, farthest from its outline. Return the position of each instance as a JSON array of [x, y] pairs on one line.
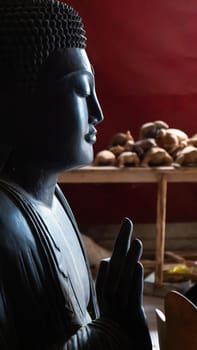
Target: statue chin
[[81, 160], [85, 161]]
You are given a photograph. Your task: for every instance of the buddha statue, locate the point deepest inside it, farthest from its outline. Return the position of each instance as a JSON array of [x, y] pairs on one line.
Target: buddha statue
[[49, 114]]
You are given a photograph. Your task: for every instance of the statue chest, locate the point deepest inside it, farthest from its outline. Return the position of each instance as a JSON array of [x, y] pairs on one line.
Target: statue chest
[[69, 255]]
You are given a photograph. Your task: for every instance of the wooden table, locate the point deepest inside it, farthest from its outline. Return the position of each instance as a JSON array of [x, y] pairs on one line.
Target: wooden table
[[159, 175]]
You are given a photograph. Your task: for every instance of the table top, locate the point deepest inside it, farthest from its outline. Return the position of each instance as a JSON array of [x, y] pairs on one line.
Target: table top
[[109, 174]]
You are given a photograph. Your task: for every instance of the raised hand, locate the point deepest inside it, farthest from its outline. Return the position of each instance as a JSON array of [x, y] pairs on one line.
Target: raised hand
[[119, 287]]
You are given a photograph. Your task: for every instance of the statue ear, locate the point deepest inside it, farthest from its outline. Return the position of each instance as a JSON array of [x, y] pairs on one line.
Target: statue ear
[[5, 152]]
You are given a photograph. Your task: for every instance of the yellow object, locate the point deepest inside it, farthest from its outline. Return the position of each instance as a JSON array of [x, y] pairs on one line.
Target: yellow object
[[180, 269]]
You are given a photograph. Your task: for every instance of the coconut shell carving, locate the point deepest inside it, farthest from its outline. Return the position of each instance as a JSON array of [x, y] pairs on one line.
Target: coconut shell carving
[[156, 156], [187, 156], [150, 129], [104, 158], [157, 145], [171, 139], [128, 159], [121, 139]]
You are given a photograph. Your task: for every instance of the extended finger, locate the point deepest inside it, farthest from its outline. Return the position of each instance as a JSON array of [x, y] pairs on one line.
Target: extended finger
[[122, 243], [138, 281], [101, 278], [127, 281], [139, 319], [119, 253]]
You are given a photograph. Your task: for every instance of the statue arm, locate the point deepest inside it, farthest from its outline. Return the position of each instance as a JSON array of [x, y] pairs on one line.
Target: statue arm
[[98, 335]]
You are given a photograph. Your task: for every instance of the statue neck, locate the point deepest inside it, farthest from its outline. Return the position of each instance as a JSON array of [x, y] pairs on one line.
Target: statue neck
[[38, 184]]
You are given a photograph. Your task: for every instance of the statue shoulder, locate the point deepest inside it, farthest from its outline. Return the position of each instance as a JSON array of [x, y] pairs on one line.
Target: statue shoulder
[[15, 231]]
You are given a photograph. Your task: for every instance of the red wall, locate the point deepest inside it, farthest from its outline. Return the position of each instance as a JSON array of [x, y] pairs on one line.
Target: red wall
[[145, 58]]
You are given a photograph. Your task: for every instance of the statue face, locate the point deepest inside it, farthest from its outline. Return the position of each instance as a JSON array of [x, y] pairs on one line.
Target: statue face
[[66, 111]]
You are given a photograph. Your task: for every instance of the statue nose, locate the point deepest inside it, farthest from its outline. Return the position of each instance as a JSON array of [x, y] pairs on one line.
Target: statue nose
[[96, 114], [99, 116]]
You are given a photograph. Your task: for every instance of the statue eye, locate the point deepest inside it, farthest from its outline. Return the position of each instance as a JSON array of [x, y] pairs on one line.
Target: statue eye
[[82, 92]]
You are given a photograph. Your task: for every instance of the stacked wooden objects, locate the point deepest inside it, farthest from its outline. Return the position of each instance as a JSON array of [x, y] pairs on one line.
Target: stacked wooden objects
[[157, 145]]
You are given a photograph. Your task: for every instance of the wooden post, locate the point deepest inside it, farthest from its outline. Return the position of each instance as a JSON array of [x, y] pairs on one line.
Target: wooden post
[[160, 229]]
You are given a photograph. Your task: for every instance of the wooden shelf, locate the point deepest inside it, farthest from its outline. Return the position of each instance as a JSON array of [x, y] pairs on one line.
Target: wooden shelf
[[127, 175], [159, 175]]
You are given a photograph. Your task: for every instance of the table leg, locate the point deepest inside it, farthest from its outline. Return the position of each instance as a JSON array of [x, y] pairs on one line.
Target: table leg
[[160, 229]]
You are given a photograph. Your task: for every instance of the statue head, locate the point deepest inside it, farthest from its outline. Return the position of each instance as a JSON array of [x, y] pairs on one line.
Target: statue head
[[47, 85]]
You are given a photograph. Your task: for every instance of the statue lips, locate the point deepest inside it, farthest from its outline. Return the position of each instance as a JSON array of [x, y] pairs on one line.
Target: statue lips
[[91, 136]]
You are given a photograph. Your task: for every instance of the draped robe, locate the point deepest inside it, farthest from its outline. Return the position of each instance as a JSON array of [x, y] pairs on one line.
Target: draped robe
[[39, 307]]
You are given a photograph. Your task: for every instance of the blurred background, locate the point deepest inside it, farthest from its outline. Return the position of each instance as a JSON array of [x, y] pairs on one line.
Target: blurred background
[[144, 55]]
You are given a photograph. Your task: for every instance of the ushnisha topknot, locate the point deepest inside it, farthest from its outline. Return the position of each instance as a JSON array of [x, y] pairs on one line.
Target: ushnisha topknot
[[30, 30]]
